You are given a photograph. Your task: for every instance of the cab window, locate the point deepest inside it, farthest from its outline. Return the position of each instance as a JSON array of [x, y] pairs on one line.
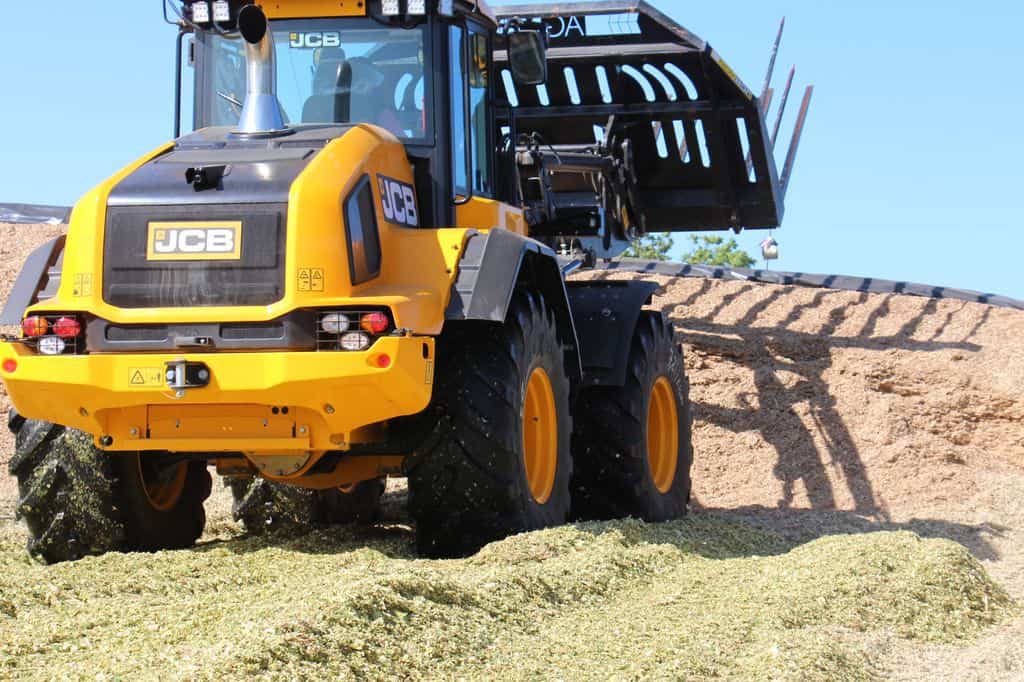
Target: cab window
[[471, 113]]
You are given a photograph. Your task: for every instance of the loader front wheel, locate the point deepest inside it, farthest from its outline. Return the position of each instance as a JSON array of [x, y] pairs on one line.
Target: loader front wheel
[[497, 460], [632, 451], [262, 505]]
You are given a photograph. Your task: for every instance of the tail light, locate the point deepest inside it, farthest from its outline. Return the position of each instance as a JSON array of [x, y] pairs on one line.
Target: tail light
[[67, 327], [375, 323], [35, 326], [352, 330], [54, 334]]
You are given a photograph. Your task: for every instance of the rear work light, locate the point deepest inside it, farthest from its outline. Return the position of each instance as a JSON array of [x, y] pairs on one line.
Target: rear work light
[[335, 323], [51, 345], [355, 341]]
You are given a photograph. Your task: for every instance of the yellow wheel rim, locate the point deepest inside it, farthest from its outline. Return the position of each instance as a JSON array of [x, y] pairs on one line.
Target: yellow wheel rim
[[163, 485], [663, 435], [540, 436]]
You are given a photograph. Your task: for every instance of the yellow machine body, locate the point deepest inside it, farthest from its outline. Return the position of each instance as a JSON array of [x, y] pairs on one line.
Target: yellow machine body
[[282, 410]]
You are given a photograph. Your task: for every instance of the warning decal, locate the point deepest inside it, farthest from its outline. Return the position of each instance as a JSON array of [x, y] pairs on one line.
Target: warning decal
[[311, 279], [146, 376]]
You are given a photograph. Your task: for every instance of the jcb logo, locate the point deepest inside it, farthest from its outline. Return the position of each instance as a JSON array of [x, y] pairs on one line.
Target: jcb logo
[[398, 201], [310, 40], [195, 241]]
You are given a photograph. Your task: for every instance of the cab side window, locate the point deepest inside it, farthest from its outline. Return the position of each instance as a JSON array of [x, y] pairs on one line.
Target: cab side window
[[472, 173], [479, 111]]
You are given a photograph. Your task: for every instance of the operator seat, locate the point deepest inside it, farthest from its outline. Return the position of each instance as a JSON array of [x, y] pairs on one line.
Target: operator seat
[[331, 101]]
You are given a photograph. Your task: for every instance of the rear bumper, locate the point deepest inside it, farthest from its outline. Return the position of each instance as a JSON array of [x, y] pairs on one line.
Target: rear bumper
[[256, 402]]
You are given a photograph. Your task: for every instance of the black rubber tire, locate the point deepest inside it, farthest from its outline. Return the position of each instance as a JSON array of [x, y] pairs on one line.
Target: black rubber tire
[[467, 481], [148, 529], [65, 492], [78, 500], [360, 505], [612, 477], [263, 506]]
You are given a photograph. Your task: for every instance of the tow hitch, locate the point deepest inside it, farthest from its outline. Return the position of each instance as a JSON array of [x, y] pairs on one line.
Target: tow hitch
[[182, 375]]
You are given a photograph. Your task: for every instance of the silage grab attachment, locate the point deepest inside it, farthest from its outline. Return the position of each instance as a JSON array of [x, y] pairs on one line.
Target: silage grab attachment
[[696, 138]]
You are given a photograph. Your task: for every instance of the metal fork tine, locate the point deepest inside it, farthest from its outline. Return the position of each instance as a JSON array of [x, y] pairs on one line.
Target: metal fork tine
[[794, 145], [782, 107]]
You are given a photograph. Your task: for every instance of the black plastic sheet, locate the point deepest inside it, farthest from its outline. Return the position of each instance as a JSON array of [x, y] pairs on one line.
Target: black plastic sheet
[[34, 214], [841, 282]]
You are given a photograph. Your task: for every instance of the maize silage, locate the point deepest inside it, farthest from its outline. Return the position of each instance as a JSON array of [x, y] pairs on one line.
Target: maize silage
[[703, 597]]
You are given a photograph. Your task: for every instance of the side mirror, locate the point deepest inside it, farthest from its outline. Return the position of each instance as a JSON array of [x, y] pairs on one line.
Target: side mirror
[[527, 57]]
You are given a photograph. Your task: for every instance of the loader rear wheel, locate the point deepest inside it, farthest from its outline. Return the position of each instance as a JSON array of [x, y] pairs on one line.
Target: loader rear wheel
[[78, 500], [497, 459], [632, 449], [262, 505], [65, 492], [161, 500]]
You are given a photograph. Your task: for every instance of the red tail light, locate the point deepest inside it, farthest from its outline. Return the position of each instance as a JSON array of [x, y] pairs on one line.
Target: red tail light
[[67, 328], [375, 323], [35, 326]]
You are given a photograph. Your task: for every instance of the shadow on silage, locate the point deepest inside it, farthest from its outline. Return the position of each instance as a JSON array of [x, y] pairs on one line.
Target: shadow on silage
[[768, 351], [799, 526]]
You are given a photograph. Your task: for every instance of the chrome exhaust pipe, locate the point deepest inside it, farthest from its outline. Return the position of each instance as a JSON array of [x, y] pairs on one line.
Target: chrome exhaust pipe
[[261, 111]]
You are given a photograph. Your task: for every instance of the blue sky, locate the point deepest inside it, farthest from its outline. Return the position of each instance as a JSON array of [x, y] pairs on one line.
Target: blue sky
[[909, 168]]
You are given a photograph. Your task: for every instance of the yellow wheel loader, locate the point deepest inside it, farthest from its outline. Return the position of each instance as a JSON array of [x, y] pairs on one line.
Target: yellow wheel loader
[[355, 267]]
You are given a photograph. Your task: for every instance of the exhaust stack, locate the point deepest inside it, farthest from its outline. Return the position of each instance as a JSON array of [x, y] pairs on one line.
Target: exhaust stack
[[261, 111]]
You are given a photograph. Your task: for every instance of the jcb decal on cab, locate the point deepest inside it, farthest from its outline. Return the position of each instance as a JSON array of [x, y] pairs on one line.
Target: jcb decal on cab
[[398, 200], [218, 240], [311, 40]]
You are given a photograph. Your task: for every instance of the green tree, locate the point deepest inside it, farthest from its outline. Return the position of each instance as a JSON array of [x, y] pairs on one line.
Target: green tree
[[651, 247], [712, 250]]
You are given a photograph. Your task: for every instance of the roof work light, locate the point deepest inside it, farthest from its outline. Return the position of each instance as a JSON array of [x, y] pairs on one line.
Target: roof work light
[[201, 12], [222, 11]]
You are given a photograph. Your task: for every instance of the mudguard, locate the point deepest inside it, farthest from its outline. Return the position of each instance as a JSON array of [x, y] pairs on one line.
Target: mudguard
[[491, 267], [605, 314], [38, 280]]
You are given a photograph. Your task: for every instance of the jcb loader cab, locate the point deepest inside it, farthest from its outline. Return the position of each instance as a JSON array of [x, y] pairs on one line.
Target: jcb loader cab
[[355, 267]]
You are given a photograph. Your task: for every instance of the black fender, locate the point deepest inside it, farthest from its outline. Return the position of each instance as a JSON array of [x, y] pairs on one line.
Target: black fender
[[605, 314], [493, 265], [38, 280]]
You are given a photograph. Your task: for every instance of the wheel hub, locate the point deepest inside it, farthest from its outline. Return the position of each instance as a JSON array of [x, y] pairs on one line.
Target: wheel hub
[[540, 436], [163, 484], [663, 435]]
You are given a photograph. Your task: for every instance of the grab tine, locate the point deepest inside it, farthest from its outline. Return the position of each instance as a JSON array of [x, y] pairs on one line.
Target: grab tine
[[795, 143], [782, 107], [771, 62]]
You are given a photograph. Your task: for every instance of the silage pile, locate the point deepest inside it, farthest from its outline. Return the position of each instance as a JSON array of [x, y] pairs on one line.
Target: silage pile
[[701, 598], [819, 415]]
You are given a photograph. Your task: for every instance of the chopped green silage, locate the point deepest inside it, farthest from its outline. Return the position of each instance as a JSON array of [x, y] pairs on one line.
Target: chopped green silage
[[697, 598]]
